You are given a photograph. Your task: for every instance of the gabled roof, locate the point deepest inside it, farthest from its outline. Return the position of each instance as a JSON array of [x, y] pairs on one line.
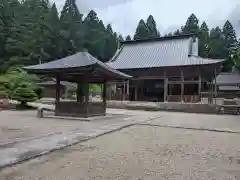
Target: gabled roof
[[228, 78], [78, 60], [160, 52]]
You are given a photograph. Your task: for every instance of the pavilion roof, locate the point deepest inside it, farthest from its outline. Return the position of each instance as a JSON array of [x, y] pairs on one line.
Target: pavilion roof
[[228, 78], [158, 52], [81, 61]]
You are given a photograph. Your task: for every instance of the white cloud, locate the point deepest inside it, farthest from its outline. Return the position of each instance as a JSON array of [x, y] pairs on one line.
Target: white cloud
[[125, 14]]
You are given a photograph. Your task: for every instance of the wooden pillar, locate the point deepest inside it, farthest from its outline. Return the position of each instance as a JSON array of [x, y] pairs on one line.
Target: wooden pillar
[[170, 89], [182, 85], [199, 85], [215, 85], [124, 90], [136, 93], [86, 92], [165, 86], [79, 92], [211, 90], [128, 90], [104, 93], [58, 87]]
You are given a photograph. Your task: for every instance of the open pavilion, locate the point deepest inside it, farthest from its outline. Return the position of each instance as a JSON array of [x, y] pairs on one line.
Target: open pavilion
[[81, 68]]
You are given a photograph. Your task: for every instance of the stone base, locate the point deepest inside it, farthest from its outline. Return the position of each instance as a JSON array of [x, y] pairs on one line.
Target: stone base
[[93, 118]]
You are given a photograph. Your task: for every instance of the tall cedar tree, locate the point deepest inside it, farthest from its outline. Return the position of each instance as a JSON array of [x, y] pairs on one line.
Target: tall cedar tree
[[71, 29], [191, 25], [128, 38], [11, 35], [55, 37], [152, 27], [216, 44], [230, 40], [37, 20], [204, 40], [142, 31]]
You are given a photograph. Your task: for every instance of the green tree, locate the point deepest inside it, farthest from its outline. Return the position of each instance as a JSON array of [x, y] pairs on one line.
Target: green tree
[[128, 38], [152, 27], [235, 55], [72, 32], [230, 40], [24, 94], [16, 84], [216, 44], [55, 50], [203, 40], [12, 34], [191, 25], [177, 32], [120, 38], [142, 31]]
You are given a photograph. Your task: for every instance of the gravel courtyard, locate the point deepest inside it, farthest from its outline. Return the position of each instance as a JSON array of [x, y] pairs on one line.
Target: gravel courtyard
[[141, 152]]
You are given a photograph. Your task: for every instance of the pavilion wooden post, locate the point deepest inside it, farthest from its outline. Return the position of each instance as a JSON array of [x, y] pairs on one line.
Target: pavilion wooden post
[[165, 86], [104, 93], [86, 97], [58, 86], [86, 92], [79, 92], [182, 85]]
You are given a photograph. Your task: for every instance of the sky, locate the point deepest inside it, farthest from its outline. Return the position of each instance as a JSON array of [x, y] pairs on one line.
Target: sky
[[169, 15]]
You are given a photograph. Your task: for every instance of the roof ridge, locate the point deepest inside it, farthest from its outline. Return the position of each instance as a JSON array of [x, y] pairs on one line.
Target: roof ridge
[[116, 54], [175, 37]]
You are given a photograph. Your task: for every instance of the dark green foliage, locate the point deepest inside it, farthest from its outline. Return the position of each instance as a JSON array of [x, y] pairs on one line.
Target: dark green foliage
[[142, 31], [204, 40], [146, 30], [24, 94], [230, 40], [128, 38], [16, 84], [216, 43], [152, 28], [71, 29], [177, 32], [32, 32], [191, 25]]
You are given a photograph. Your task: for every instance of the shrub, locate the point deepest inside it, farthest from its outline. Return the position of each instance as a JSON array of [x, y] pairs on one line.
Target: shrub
[[24, 94]]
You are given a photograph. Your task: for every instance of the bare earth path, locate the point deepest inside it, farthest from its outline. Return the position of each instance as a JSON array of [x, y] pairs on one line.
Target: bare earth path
[[149, 150], [149, 153]]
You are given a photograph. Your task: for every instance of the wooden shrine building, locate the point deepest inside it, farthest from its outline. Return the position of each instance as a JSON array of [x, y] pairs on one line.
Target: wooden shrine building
[[83, 69], [165, 69]]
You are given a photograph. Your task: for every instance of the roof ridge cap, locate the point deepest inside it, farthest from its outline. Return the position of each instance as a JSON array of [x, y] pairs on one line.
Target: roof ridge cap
[[116, 54]]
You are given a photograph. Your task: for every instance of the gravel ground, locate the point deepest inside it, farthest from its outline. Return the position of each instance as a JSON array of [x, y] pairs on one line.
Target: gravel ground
[[140, 152], [20, 125]]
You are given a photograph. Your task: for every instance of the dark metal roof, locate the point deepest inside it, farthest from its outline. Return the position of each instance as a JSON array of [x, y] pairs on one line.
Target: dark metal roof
[[159, 39], [228, 78], [78, 60], [158, 53]]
